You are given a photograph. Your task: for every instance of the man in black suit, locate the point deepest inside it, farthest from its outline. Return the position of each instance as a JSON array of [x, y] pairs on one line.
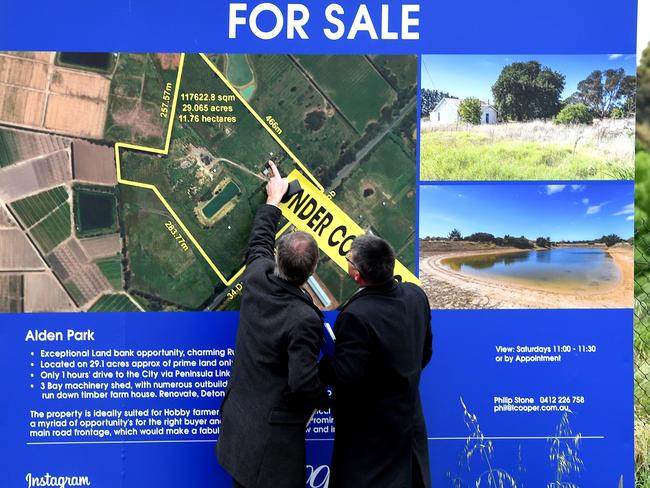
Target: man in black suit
[[274, 385], [383, 341]]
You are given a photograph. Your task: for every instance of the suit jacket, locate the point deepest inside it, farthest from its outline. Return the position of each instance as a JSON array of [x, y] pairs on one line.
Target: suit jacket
[[383, 341], [274, 384]]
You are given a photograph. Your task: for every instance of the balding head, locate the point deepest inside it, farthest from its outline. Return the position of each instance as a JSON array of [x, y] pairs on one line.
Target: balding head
[[296, 257]]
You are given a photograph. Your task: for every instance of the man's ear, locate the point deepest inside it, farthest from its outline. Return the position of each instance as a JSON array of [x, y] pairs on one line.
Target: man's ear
[[354, 273]]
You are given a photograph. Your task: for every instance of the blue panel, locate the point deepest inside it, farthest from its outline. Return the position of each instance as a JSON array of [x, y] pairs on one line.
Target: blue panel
[[463, 367], [471, 26]]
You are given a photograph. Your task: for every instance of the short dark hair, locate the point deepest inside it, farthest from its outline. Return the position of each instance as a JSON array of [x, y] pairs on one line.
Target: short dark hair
[[296, 257], [374, 258]]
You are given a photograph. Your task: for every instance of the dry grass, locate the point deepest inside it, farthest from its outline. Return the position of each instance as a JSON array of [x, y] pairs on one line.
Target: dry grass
[[72, 102], [23, 72], [74, 115], [79, 84], [21, 105], [529, 150], [642, 451]]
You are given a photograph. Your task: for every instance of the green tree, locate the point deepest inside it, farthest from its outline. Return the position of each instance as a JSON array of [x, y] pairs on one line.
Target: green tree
[[610, 239], [576, 113], [617, 113], [543, 242], [480, 237], [527, 91], [518, 242], [469, 111], [643, 118], [455, 235], [643, 88], [603, 91]]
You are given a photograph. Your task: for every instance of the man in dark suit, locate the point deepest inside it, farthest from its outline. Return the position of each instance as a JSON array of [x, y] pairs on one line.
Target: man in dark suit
[[274, 385], [383, 341]]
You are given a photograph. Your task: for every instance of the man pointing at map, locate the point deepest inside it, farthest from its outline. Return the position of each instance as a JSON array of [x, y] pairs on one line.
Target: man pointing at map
[[274, 385]]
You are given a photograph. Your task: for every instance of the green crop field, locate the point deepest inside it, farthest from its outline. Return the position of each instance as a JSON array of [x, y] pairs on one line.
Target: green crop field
[[114, 303], [34, 208], [50, 232], [9, 152], [158, 265], [360, 93], [467, 156], [380, 193], [224, 241], [203, 155], [248, 143], [11, 293], [74, 291], [135, 100], [184, 185], [111, 268], [284, 93], [403, 68], [335, 279]]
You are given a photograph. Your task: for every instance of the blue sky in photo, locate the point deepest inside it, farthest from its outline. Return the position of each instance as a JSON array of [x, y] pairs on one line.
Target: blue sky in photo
[[470, 75], [559, 211]]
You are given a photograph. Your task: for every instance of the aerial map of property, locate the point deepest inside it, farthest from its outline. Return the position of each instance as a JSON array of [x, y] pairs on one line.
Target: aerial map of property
[[129, 181]]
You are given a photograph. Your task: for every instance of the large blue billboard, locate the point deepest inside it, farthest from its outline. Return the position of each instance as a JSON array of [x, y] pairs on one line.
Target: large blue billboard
[[490, 143]]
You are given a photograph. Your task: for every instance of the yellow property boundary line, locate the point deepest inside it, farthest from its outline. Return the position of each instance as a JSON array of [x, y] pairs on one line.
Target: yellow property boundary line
[[165, 151]]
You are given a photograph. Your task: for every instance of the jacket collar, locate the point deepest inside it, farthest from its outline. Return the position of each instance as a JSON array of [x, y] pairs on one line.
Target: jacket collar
[[382, 289], [298, 292]]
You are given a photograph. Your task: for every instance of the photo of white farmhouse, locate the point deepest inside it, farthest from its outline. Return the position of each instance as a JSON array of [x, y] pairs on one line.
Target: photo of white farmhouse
[[446, 112]]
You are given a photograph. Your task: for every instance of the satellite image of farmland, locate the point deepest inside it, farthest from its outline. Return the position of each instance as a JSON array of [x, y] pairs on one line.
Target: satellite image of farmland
[[128, 182]]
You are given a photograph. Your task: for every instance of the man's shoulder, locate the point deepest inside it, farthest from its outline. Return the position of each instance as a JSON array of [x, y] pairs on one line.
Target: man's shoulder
[[411, 288], [365, 302]]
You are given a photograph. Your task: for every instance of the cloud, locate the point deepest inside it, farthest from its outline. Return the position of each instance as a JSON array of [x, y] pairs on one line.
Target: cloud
[[578, 187], [585, 201], [550, 189], [612, 57], [460, 195], [626, 210], [594, 209], [629, 217]]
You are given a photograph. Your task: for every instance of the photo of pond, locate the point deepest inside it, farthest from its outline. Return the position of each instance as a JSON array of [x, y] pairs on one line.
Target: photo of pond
[[527, 245], [569, 269]]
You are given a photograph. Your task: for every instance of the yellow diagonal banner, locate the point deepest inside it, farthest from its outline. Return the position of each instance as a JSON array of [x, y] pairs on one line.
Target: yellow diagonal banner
[[312, 211]]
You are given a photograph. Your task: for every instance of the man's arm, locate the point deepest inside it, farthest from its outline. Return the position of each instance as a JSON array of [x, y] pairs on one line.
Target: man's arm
[[304, 348], [352, 354], [265, 225], [262, 239]]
